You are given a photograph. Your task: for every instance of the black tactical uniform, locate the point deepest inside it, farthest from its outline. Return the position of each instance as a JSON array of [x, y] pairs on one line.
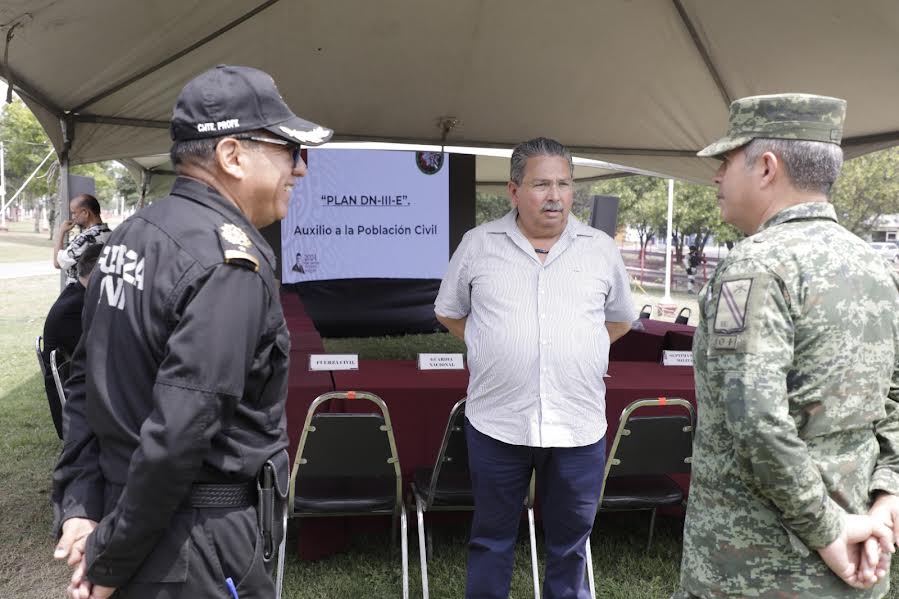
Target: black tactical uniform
[[176, 402]]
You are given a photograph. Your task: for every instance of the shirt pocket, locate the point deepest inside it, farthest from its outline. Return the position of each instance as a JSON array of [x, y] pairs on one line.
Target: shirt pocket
[[589, 290]]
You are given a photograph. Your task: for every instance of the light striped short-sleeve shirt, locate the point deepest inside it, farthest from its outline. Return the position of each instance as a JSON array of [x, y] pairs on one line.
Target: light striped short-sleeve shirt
[[537, 344]]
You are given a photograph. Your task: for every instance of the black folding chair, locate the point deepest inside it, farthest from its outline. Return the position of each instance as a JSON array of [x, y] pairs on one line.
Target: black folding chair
[[39, 350], [347, 465], [646, 449], [646, 311], [447, 487], [60, 372], [681, 318]]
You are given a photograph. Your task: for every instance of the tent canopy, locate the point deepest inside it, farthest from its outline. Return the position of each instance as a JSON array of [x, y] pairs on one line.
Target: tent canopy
[[491, 167], [644, 83]]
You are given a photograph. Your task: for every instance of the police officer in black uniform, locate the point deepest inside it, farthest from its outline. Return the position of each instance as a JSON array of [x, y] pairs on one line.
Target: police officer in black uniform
[[175, 429]]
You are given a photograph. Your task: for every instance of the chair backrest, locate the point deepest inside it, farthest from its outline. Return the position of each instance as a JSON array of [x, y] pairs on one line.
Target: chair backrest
[[681, 318], [346, 446], [649, 445], [646, 311], [39, 350], [60, 372], [452, 459]]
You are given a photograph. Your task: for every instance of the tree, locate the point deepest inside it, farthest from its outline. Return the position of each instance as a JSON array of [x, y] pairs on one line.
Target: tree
[[126, 185], [490, 206], [867, 188], [26, 145], [696, 215], [642, 204]]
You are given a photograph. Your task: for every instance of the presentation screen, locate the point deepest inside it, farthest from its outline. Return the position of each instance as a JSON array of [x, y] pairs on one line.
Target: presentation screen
[[368, 214]]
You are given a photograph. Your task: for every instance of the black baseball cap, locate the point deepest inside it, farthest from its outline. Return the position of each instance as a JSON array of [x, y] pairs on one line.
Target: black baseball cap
[[231, 99]]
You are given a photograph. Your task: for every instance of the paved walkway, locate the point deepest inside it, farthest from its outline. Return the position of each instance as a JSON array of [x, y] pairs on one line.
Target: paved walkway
[[15, 270]]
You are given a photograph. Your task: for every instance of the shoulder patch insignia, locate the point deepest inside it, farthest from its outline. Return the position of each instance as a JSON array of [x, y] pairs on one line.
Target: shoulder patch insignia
[[236, 245], [730, 314], [235, 236]]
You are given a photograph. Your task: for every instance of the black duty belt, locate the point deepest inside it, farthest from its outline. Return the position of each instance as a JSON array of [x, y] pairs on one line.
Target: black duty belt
[[203, 495]]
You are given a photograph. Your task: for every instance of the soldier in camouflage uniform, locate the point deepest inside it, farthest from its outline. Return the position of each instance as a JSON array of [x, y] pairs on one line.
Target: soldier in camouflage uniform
[[797, 382]]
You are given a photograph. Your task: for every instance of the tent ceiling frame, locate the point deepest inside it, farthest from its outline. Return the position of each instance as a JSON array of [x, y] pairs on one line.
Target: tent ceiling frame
[[150, 70], [23, 88], [120, 121], [703, 51], [595, 179], [870, 139]]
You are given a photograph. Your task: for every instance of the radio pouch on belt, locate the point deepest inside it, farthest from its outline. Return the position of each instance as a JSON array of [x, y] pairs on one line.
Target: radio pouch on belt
[[272, 484]]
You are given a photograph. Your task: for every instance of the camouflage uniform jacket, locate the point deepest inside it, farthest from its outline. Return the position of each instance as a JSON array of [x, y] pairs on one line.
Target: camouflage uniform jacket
[[797, 386]]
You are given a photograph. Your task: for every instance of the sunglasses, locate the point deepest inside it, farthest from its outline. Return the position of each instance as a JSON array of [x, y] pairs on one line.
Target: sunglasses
[[295, 149]]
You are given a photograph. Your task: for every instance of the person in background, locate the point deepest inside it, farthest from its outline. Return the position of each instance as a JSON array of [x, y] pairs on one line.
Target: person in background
[[84, 210], [693, 261], [62, 327]]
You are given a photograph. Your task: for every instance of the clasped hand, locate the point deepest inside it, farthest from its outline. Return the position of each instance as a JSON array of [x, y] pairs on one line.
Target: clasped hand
[[861, 554], [75, 532]]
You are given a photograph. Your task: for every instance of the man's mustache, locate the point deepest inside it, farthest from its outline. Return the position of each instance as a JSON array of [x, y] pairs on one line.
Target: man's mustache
[[551, 205]]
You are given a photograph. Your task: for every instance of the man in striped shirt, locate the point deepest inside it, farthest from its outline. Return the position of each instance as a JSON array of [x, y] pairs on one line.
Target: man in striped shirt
[[538, 297], [85, 214]]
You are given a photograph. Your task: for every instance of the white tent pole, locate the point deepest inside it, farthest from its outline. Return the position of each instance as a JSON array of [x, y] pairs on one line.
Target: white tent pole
[[28, 180], [2, 189], [667, 298]]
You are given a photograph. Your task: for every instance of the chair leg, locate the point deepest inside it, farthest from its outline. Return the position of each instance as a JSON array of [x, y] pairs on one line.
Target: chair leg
[[534, 553], [393, 531], [591, 582], [404, 544], [422, 553], [652, 525], [282, 550]]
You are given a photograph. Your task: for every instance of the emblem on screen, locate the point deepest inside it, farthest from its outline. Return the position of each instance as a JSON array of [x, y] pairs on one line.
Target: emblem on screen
[[429, 162], [305, 263]]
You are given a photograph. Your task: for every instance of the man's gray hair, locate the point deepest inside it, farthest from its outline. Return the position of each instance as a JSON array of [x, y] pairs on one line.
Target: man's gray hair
[[193, 151], [539, 146], [202, 151], [812, 166]]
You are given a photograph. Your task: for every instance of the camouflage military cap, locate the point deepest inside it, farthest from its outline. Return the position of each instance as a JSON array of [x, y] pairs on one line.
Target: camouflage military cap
[[781, 116]]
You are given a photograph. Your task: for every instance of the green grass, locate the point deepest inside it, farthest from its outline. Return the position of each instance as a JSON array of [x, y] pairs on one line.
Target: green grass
[[21, 244], [28, 444], [399, 347], [369, 568]]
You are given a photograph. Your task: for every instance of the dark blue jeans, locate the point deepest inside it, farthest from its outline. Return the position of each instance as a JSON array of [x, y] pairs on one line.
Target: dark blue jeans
[[569, 480]]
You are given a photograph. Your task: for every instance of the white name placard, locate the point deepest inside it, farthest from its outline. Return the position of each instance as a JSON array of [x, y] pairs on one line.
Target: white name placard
[[677, 358], [333, 362], [440, 362]]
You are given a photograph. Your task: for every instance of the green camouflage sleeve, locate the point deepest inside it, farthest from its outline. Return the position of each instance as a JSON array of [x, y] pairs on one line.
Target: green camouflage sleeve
[[751, 347], [886, 473]]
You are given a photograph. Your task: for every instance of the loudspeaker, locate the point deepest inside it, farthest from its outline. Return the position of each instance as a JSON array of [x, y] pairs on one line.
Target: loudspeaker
[[79, 184], [605, 214]]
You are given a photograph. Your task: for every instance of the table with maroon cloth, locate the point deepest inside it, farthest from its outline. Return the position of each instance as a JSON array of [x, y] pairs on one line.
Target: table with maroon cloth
[[304, 336], [646, 344], [420, 402], [302, 386], [679, 340]]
